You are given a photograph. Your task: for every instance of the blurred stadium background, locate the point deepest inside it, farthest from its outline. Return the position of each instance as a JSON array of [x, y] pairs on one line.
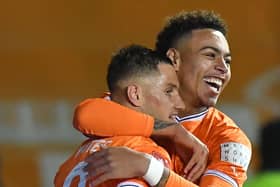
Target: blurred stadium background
[[54, 54]]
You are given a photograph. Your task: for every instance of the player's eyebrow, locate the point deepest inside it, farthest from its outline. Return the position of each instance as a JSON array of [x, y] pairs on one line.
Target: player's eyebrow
[[214, 49], [172, 85]]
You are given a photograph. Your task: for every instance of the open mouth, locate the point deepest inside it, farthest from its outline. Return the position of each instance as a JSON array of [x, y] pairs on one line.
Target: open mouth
[[214, 83]]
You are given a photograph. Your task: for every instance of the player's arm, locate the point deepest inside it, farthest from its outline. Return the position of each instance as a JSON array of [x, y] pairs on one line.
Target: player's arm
[[91, 113], [104, 166], [230, 155], [112, 163], [188, 142]]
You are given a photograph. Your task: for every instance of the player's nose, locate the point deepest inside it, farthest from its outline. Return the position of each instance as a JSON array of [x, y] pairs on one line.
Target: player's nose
[[179, 104]]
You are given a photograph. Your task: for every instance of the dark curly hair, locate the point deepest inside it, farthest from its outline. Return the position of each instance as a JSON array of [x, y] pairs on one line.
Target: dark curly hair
[[133, 61], [183, 23]]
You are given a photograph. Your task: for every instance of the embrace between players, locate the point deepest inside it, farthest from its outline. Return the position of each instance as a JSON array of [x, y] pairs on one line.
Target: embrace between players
[[158, 126]]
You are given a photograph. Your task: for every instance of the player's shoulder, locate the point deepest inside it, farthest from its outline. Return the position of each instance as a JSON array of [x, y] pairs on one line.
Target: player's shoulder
[[93, 103], [220, 117], [226, 129]]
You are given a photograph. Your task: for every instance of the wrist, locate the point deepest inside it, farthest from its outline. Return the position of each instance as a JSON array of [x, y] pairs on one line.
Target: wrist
[[155, 171], [164, 178], [146, 159]]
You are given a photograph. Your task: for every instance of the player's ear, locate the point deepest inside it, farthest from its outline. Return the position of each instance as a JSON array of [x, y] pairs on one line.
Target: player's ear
[[134, 95], [174, 56]]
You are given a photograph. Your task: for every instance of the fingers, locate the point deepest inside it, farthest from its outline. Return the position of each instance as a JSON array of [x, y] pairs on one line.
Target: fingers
[[97, 155], [195, 172], [100, 175], [193, 167], [190, 165], [97, 163], [196, 166], [98, 168], [115, 162], [100, 179]]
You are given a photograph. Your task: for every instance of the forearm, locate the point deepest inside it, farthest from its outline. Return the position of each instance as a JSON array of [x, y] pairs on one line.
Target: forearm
[[168, 177], [90, 113], [123, 121], [184, 137], [177, 134], [164, 129]]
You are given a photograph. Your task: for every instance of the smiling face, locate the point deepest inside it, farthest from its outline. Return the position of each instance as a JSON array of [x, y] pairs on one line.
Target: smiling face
[[144, 80], [204, 68], [160, 93]]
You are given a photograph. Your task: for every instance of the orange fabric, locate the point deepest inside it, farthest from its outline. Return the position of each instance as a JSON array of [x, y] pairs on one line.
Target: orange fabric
[[87, 117], [212, 181], [214, 129], [175, 180], [138, 143]]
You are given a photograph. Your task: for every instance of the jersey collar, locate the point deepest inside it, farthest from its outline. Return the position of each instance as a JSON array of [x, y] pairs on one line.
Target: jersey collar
[[192, 117]]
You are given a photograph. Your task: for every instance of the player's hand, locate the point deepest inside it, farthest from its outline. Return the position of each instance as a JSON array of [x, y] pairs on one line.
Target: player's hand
[[115, 163], [198, 161]]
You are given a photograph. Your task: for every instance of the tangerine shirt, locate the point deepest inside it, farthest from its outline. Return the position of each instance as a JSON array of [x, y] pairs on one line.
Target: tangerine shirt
[[229, 147], [71, 174]]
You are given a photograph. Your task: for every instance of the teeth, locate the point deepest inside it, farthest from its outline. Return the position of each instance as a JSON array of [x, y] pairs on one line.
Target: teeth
[[213, 80]]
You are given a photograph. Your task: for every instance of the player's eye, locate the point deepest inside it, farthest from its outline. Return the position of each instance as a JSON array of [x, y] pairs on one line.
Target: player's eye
[[210, 55], [228, 60], [169, 91]]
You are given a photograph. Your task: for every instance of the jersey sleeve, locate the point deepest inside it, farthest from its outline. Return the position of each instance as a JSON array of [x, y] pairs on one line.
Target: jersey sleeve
[[133, 183], [175, 180], [230, 155], [213, 181], [102, 117]]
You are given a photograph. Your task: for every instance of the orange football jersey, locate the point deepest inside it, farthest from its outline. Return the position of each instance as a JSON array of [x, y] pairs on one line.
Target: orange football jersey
[[71, 174], [229, 148]]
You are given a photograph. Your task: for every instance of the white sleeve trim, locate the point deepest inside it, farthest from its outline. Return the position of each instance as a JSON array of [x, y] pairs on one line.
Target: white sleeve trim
[[129, 184], [222, 176]]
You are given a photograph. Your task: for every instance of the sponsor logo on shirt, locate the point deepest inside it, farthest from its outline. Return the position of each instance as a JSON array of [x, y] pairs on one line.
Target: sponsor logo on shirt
[[236, 153]]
